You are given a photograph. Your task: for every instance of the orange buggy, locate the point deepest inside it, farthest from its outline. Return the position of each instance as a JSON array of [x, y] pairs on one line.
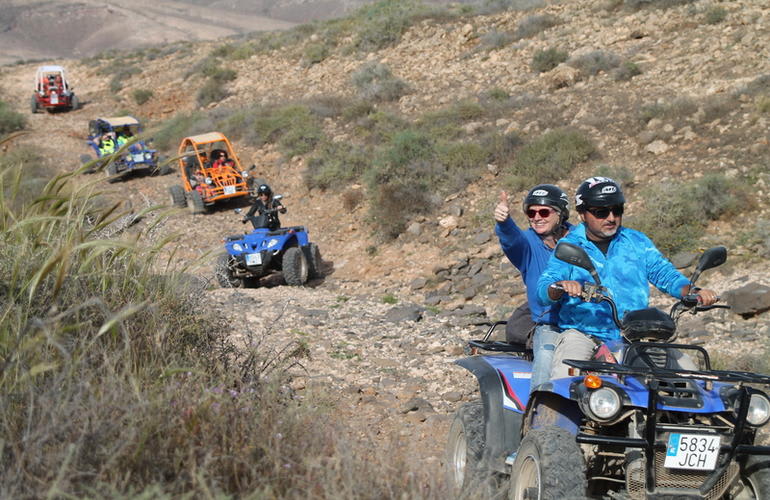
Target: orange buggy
[[210, 171]]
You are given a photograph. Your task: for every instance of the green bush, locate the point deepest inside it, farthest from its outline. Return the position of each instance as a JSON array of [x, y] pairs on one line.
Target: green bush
[[677, 212], [550, 158], [626, 71], [534, 24], [548, 59], [494, 40], [212, 91], [622, 174], [335, 165], [595, 61], [654, 4], [715, 15], [374, 81], [171, 132], [493, 6], [445, 123], [10, 120], [315, 53], [294, 128], [120, 75], [141, 96], [382, 23]]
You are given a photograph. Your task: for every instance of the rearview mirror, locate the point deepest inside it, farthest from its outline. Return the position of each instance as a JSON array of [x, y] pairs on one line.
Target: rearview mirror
[[573, 254], [712, 257]]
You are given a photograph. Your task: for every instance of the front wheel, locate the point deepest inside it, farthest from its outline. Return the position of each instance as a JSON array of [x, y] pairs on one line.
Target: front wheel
[[224, 274], [177, 196], [549, 466], [295, 267], [313, 256], [112, 173], [33, 105], [754, 483], [196, 202]]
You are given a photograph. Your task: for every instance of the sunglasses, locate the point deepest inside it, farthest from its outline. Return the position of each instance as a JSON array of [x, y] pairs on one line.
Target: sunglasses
[[542, 212], [604, 212]]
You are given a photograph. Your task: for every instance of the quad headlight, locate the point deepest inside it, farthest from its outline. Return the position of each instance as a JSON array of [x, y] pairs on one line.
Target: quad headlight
[[237, 247], [759, 410], [273, 242], [244, 174], [148, 156], [604, 403], [209, 181]]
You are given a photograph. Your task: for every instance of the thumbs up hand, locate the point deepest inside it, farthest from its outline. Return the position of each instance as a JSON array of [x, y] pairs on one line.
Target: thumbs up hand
[[502, 211]]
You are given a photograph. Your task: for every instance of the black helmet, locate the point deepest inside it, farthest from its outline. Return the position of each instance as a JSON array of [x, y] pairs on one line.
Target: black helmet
[[264, 189], [550, 196], [598, 192]]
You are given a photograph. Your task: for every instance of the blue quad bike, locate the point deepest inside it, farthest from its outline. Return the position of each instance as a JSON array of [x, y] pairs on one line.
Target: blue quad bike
[[251, 256], [644, 419]]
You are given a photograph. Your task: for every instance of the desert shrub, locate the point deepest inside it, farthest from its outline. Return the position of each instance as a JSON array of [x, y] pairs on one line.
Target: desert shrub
[[496, 94], [220, 74], [763, 104], [757, 238], [677, 212], [379, 127], [492, 6], [534, 24], [212, 91], [500, 147], [382, 23], [595, 61], [676, 109], [335, 164], [654, 4], [352, 199], [548, 59], [715, 15], [356, 109], [550, 158], [445, 123], [375, 81], [329, 106], [759, 86], [315, 53], [626, 71], [398, 182], [494, 40], [120, 75], [224, 50], [141, 96], [463, 162], [170, 133], [620, 173], [294, 128], [10, 120]]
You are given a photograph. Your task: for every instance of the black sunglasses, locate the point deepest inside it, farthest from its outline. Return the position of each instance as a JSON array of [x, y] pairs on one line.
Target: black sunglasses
[[604, 212], [543, 212]]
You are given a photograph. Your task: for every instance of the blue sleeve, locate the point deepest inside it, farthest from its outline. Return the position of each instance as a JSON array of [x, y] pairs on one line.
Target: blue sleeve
[[555, 270], [661, 272], [513, 242]]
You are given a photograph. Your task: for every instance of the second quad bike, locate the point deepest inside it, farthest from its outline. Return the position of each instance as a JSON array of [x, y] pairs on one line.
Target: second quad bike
[[644, 419], [251, 256], [211, 172], [52, 91], [116, 141]]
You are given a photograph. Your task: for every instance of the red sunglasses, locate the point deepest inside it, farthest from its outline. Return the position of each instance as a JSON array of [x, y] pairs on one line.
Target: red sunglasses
[[542, 212]]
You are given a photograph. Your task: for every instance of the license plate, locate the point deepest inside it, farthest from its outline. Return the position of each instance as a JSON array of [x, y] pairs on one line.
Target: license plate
[[138, 158], [253, 259], [229, 189], [54, 98], [692, 451]]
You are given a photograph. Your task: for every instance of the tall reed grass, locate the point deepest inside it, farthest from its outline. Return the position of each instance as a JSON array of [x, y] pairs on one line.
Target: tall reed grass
[[119, 379]]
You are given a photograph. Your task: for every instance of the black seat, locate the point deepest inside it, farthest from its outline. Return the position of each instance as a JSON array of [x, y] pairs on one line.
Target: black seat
[[650, 323]]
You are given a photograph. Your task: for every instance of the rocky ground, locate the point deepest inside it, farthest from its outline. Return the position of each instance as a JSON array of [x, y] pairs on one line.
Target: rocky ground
[[385, 323]]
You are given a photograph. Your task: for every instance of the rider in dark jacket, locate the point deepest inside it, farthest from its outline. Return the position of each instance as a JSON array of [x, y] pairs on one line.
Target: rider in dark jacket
[[264, 205]]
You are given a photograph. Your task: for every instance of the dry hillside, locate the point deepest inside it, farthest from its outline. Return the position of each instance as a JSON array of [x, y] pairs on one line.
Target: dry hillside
[[697, 103]]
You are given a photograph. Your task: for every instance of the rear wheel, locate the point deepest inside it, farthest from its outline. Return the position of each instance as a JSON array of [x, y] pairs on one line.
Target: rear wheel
[[84, 158], [549, 466], [295, 267], [313, 256], [177, 196], [74, 103], [163, 167], [224, 274], [33, 105], [196, 202]]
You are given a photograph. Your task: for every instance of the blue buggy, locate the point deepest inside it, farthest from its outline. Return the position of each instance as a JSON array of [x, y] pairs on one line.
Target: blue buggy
[[645, 418], [117, 141], [251, 256]]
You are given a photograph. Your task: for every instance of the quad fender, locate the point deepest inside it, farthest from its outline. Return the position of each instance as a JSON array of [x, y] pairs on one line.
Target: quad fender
[[547, 408], [502, 427]]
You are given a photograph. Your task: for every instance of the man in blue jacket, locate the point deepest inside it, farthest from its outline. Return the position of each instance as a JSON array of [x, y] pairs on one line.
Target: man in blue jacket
[[546, 208], [626, 260]]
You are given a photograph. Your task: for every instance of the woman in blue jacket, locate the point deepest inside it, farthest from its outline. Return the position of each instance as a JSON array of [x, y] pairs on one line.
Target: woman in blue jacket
[[546, 208]]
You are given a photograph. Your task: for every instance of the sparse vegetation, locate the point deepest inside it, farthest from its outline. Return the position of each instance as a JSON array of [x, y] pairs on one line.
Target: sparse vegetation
[[595, 61], [494, 40], [10, 120], [294, 128], [534, 24], [389, 299], [315, 53], [715, 15], [550, 158], [548, 59], [677, 212], [626, 71], [212, 91], [141, 96], [375, 81]]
